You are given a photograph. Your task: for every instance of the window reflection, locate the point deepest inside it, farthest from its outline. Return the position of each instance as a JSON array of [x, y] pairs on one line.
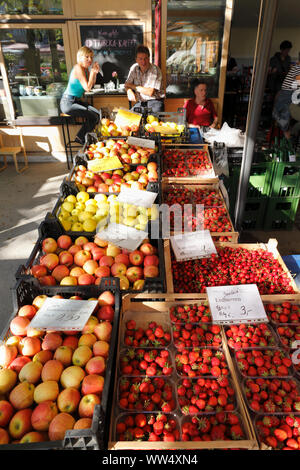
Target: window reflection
[[36, 67], [31, 7], [194, 43]]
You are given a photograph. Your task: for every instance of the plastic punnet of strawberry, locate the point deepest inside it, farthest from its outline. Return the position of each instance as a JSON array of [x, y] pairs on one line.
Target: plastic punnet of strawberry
[[140, 332], [272, 395], [278, 431], [288, 334], [206, 395], [203, 361], [149, 362], [221, 426], [245, 335], [263, 362], [187, 335], [284, 312], [146, 394], [147, 426], [190, 313]]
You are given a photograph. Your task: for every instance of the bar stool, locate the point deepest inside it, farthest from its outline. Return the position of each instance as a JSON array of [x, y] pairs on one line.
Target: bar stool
[[70, 145]]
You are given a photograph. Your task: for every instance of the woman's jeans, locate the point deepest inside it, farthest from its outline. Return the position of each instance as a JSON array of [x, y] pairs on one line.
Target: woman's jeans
[[72, 105]]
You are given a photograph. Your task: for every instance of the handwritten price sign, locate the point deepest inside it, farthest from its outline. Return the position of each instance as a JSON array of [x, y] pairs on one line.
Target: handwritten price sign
[[63, 314], [236, 304], [193, 245]]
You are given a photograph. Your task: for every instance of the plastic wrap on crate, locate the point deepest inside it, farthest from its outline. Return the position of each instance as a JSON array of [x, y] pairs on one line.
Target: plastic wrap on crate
[[94, 437]]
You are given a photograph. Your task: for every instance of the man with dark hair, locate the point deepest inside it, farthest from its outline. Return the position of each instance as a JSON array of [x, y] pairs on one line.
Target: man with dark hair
[[144, 83], [280, 64]]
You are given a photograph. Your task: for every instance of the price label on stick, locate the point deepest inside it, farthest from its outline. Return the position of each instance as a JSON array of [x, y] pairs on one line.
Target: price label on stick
[[63, 314], [193, 245], [137, 197], [123, 236], [236, 304]]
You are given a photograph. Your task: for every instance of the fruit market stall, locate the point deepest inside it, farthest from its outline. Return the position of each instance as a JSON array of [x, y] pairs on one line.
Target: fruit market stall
[[147, 364]]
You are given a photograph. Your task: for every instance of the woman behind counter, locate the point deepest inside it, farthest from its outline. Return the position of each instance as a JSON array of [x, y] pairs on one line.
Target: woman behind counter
[[200, 111], [81, 80]]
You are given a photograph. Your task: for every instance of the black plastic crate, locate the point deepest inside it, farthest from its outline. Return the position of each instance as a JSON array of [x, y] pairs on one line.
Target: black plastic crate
[[179, 117], [94, 438], [92, 138], [69, 180], [50, 227], [281, 213]]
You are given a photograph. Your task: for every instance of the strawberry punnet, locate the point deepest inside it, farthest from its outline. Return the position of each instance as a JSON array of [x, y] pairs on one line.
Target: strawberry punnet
[[279, 432], [265, 395], [247, 336], [201, 361], [263, 362], [147, 427], [222, 426], [205, 395], [284, 312]]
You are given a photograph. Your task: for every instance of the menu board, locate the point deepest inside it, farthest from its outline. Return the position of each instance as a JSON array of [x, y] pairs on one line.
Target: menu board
[[114, 47]]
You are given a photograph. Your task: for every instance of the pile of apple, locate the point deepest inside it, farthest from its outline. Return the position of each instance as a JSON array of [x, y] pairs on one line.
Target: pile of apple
[[50, 381], [130, 154], [112, 181], [82, 213], [83, 262], [110, 128]]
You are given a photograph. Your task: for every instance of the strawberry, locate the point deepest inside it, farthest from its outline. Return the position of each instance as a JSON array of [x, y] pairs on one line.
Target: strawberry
[[280, 434]]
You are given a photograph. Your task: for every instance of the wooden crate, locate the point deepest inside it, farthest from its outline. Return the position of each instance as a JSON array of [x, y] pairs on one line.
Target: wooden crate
[[234, 236], [189, 179], [270, 246], [158, 303]]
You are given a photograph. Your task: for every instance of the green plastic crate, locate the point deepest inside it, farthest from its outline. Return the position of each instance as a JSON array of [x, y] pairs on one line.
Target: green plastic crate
[[281, 213], [254, 213], [260, 181], [286, 180]]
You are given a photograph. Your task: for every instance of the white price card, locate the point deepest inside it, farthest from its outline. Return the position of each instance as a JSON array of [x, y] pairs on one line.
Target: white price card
[[137, 197], [123, 236], [137, 141], [193, 245], [236, 304], [63, 314]]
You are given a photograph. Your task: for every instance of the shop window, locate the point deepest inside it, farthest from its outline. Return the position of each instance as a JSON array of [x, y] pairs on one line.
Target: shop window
[[36, 69], [194, 45], [31, 7]]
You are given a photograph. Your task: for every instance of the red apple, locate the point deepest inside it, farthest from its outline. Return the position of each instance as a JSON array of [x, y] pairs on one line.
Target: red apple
[[102, 271], [136, 257], [50, 260], [47, 281], [60, 271], [27, 311], [37, 270], [6, 412], [81, 257], [20, 423], [106, 312], [134, 273], [151, 260], [49, 245], [86, 280], [61, 423], [66, 258], [151, 271], [92, 383], [118, 268], [64, 242]]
